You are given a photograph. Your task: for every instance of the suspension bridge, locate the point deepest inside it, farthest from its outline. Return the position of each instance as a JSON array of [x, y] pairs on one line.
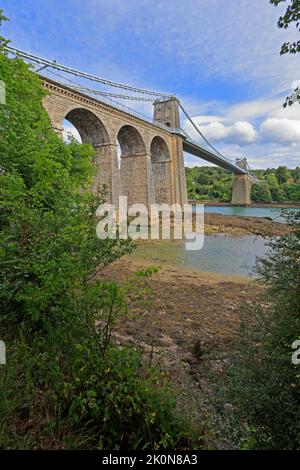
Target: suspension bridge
[[106, 112]]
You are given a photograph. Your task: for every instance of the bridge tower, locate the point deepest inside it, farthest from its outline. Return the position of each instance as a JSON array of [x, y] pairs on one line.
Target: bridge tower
[[166, 111], [242, 184]]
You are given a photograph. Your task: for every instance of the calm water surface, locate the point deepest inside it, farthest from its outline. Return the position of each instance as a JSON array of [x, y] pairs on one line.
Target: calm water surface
[[221, 254], [274, 213]]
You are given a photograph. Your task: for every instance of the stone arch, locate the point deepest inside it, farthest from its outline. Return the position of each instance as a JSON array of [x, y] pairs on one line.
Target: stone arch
[[131, 141], [136, 171], [160, 158], [92, 131]]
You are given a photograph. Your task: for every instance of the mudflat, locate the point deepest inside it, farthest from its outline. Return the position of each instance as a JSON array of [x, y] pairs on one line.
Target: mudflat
[[190, 315]]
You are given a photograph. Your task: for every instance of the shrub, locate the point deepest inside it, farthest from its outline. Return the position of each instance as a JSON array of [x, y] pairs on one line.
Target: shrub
[[261, 385]]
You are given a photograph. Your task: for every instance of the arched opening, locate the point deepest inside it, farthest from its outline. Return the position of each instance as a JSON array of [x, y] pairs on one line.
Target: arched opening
[[87, 128], [136, 176], [160, 158], [130, 141], [119, 152]]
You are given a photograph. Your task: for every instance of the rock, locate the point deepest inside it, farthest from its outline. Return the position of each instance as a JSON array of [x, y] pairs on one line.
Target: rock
[[198, 349]]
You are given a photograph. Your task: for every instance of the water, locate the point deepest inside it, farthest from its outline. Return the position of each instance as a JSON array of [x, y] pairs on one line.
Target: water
[[221, 254], [273, 213]]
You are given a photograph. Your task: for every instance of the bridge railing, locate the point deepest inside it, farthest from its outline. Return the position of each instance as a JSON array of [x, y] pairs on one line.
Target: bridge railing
[[116, 104], [132, 111]]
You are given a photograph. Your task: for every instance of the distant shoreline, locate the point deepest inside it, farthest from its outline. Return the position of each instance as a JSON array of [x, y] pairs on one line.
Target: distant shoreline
[[277, 205]]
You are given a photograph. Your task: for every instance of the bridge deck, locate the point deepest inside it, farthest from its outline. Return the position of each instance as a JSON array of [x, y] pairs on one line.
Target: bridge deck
[[207, 154], [189, 146]]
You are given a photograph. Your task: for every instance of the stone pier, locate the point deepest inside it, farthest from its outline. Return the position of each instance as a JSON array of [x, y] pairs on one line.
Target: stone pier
[[241, 191]]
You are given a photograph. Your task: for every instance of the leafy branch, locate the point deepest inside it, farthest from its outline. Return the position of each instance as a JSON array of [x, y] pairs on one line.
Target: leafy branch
[[292, 15]]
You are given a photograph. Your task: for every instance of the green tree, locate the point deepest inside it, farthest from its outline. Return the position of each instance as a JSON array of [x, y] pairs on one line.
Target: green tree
[[261, 193], [292, 191], [212, 183], [272, 181], [47, 226], [282, 174], [3, 41], [291, 16], [65, 384], [296, 174], [261, 383]]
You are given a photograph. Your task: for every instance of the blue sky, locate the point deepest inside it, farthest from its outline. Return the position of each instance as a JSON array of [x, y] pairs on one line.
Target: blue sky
[[220, 57]]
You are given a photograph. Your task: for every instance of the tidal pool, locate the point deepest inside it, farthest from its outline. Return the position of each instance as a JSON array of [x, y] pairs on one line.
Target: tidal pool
[[220, 254]]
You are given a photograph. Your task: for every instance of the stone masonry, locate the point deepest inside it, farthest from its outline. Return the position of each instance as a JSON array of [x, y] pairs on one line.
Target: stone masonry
[[152, 165]]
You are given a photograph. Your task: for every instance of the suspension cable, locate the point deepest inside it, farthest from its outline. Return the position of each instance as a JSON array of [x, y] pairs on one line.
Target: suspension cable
[[78, 73], [199, 132], [54, 65], [85, 89], [210, 145], [113, 102]]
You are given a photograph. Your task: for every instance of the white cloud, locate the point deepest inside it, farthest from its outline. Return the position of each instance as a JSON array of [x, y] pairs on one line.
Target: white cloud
[[259, 109], [264, 155], [215, 131], [236, 40], [290, 112], [268, 138], [241, 132], [208, 119], [285, 131], [254, 109]]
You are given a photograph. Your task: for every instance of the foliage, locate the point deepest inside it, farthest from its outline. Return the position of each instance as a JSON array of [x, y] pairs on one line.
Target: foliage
[[261, 385], [73, 388], [210, 183], [3, 41], [291, 16], [261, 193], [65, 384], [49, 248]]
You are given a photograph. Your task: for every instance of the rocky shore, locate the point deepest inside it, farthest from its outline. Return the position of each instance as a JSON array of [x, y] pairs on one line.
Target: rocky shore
[[235, 225], [191, 315]]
